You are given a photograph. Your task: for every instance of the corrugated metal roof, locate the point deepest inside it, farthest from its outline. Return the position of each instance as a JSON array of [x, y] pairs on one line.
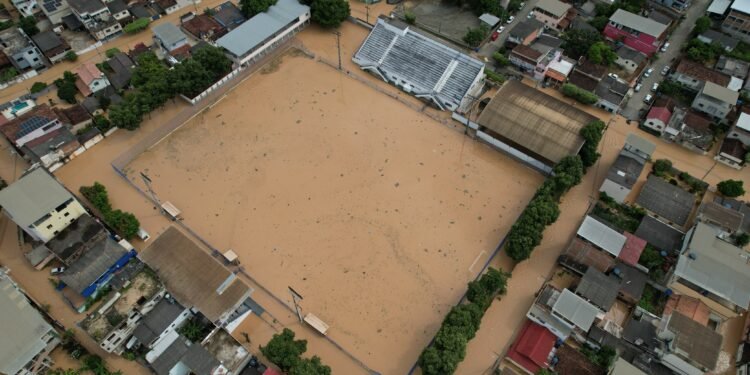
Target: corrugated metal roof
[[720, 92], [638, 23], [168, 33], [640, 144], [555, 7], [33, 196], [696, 342], [262, 26], [602, 236], [622, 367], [666, 200], [575, 309], [719, 6], [598, 288], [742, 6]]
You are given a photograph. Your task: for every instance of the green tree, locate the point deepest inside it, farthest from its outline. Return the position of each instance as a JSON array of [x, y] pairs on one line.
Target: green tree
[[702, 24], [125, 116], [580, 95], [436, 362], [102, 123], [214, 60], [252, 7], [599, 22], [310, 366], [500, 59], [38, 87], [136, 26], [71, 56], [111, 52], [95, 364], [329, 13], [577, 42], [731, 188], [97, 195], [8, 74], [66, 87], [592, 135], [466, 317], [283, 350], [474, 37], [514, 6], [602, 54], [651, 258], [661, 167], [480, 7], [410, 17], [28, 25], [742, 239], [104, 102]]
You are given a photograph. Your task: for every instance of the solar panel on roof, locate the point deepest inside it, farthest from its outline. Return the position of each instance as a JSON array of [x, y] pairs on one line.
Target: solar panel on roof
[[31, 124]]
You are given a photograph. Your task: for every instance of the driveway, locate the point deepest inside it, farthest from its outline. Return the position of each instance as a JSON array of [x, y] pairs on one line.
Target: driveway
[[492, 46], [678, 37]]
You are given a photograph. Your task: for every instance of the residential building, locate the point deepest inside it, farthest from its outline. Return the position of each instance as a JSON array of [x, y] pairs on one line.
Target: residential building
[[531, 125], [121, 67], [228, 15], [692, 347], [598, 289], [726, 42], [75, 116], [202, 26], [26, 7], [714, 271], [553, 14], [715, 101], [611, 93], [623, 367], [536, 57], [665, 200], [639, 33], [659, 235], [587, 75], [52, 45], [639, 146], [732, 67], [430, 70], [525, 58], [53, 149], [96, 18], [265, 31], [140, 11], [725, 220], [40, 205], [601, 236], [658, 118], [489, 20], [525, 32], [718, 8], [194, 278], [20, 50], [533, 348], [741, 129], [93, 269], [622, 176], [55, 10], [690, 307], [165, 318], [630, 59], [558, 71], [80, 236], [27, 338], [691, 130], [167, 6], [694, 75], [661, 17], [38, 122], [737, 22], [90, 79], [732, 153], [629, 273], [675, 5], [562, 312], [169, 37], [181, 356], [119, 10]]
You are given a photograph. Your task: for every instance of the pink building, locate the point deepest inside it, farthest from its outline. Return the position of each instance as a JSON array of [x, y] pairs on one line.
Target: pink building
[[640, 33]]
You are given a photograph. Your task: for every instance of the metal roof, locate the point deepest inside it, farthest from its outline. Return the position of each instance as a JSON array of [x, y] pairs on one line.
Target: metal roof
[[719, 267], [86, 6], [261, 27], [640, 144], [719, 6], [743, 122], [696, 341], [575, 309], [712, 212], [720, 92], [32, 197], [23, 328], [658, 234], [602, 236], [157, 320], [94, 262], [168, 33], [421, 65], [489, 19], [191, 355], [623, 367], [638, 23], [535, 121], [555, 7], [598, 288], [666, 200], [742, 6], [524, 28]]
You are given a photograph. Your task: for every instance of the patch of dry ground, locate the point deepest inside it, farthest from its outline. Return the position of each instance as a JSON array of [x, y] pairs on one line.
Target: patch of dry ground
[[375, 213]]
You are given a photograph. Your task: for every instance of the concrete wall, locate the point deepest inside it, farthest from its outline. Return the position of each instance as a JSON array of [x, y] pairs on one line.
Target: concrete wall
[[56, 222]]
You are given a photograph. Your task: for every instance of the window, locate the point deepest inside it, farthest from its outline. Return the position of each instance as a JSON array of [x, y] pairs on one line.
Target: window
[[36, 59], [30, 52], [66, 214], [700, 105], [49, 226]]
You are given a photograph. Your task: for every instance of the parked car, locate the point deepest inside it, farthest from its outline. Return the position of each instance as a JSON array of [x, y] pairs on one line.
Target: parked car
[[665, 70], [664, 47], [510, 19], [655, 87], [495, 35], [57, 270], [531, 15], [613, 75], [648, 98], [143, 235], [520, 6], [638, 87], [648, 72]]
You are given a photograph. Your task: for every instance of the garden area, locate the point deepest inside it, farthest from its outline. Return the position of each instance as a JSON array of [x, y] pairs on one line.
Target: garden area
[[621, 216], [653, 300], [663, 168]]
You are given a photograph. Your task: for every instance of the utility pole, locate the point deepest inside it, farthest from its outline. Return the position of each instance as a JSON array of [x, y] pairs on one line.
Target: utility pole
[[338, 45], [367, 7], [147, 181], [296, 297]]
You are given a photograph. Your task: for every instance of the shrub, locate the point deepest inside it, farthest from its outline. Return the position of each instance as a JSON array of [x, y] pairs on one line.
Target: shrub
[[137, 26], [38, 87], [662, 167], [286, 352], [580, 95], [500, 59], [731, 188], [123, 222], [494, 76], [111, 52], [592, 134], [71, 56], [410, 18], [742, 239], [102, 123], [475, 37], [329, 13]]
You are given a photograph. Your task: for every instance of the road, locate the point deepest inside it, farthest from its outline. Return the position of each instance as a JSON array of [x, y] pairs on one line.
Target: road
[[492, 46], [677, 39], [124, 42]]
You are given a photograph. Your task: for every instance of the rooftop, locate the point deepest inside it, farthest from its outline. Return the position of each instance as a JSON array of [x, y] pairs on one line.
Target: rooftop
[[554, 7], [530, 54], [13, 41], [659, 235], [421, 65], [666, 200], [48, 41], [191, 355], [24, 329], [733, 147], [625, 170], [719, 6], [690, 307], [572, 361], [718, 266], [713, 36], [532, 347], [636, 22], [611, 90], [68, 244], [660, 113], [117, 6], [93, 263], [623, 367], [699, 343], [701, 72], [228, 15], [535, 121], [736, 205], [194, 277], [168, 33], [742, 6], [627, 53], [714, 213], [88, 72], [523, 29], [598, 288], [632, 250], [37, 117], [203, 25], [157, 320], [32, 197], [743, 122], [86, 6], [733, 67], [632, 280], [575, 309], [73, 115], [720, 93], [601, 235]]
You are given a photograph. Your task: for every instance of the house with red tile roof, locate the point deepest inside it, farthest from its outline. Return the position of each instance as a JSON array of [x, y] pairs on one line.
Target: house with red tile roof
[[692, 308], [533, 348], [90, 79], [632, 250], [658, 118]]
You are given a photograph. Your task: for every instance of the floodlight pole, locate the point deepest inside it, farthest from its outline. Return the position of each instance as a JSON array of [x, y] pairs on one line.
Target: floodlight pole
[[338, 45], [147, 181], [296, 297]]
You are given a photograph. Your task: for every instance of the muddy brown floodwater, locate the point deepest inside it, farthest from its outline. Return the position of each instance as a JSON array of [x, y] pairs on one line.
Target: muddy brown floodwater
[[375, 213]]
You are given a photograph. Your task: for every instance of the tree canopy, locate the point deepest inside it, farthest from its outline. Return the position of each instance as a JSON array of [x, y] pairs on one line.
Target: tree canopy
[[577, 42], [592, 134], [66, 87], [731, 188], [28, 25], [329, 13], [602, 54], [252, 7]]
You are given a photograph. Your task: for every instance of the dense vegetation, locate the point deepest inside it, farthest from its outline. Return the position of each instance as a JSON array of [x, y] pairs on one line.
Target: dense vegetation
[[592, 134], [461, 324], [136, 26], [474, 37], [731, 188], [250, 8], [328, 13], [286, 352], [123, 222], [66, 87], [580, 95]]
